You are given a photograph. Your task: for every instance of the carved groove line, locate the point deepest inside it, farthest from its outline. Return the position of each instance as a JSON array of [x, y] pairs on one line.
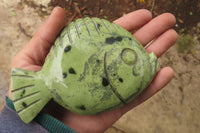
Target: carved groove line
[[77, 29], [106, 25], [86, 26], [22, 76], [61, 42], [28, 106], [27, 96], [54, 49], [95, 24], [25, 87], [114, 26], [68, 35], [107, 76]]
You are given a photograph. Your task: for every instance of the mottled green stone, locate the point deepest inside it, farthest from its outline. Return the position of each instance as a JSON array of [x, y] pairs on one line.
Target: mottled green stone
[[94, 66]]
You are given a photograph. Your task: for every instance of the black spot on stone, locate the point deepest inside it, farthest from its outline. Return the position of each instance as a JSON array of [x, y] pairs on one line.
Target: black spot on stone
[[98, 26], [64, 75], [105, 82], [23, 92], [67, 49], [98, 61], [121, 80], [72, 71], [111, 40], [24, 104], [130, 38], [82, 107], [119, 39]]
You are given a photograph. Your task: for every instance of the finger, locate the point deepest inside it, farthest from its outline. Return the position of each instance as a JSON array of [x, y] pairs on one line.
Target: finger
[[163, 42], [44, 38], [154, 28], [134, 19], [162, 78]]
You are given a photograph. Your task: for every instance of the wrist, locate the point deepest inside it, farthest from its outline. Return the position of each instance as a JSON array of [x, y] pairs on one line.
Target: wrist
[[48, 122]]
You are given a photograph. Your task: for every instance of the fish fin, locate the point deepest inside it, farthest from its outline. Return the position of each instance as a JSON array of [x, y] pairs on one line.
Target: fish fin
[[155, 66], [29, 93]]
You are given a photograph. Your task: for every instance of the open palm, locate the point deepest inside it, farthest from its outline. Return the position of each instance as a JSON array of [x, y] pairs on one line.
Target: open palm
[[32, 57]]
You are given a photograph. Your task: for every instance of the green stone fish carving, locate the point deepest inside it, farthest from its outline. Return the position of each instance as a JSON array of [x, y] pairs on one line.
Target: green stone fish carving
[[94, 66]]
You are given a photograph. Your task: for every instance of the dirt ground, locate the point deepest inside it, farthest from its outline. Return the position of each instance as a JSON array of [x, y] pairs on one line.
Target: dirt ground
[[174, 109]]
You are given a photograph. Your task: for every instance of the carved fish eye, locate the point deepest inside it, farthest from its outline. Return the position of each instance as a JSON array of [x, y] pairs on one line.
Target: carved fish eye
[[129, 56]]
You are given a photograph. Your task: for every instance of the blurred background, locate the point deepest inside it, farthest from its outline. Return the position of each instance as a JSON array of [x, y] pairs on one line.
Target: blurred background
[[174, 109]]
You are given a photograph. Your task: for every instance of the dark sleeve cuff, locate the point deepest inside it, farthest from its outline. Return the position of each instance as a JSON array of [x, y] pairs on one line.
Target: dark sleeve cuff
[[46, 121]]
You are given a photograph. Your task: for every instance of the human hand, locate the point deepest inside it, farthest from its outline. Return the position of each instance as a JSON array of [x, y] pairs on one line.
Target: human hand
[[33, 55]]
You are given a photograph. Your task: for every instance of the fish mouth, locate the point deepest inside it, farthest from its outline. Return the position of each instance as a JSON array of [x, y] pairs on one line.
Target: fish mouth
[[108, 78]]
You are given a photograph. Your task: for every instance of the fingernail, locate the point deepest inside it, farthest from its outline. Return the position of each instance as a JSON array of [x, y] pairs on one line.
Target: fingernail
[[54, 10]]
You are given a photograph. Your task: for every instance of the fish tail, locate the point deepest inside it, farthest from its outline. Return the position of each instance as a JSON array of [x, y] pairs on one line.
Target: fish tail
[[29, 93]]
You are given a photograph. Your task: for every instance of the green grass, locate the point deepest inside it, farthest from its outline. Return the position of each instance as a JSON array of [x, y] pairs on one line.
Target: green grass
[[185, 43]]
